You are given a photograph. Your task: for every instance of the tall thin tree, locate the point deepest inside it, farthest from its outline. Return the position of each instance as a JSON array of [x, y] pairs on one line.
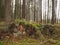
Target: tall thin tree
[[7, 12], [23, 9], [53, 20]]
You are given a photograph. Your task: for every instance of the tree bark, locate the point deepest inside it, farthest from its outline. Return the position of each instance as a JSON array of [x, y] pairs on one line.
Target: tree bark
[[23, 10], [7, 12], [53, 13]]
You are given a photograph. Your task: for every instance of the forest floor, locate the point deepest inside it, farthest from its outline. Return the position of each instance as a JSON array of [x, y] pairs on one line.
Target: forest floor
[[32, 41]]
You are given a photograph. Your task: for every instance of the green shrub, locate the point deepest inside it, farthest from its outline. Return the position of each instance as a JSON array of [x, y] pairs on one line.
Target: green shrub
[[17, 21], [27, 23], [33, 26]]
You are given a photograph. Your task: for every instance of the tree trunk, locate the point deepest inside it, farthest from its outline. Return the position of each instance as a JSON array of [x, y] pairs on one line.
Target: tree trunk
[[34, 11], [53, 13], [23, 10], [7, 12], [40, 11], [17, 9], [2, 9], [27, 10]]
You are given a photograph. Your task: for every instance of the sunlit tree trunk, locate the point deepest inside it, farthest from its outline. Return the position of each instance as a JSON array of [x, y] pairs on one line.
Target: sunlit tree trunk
[[58, 11]]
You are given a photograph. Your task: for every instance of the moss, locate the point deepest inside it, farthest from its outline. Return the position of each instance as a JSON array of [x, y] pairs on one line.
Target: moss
[[27, 23]]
